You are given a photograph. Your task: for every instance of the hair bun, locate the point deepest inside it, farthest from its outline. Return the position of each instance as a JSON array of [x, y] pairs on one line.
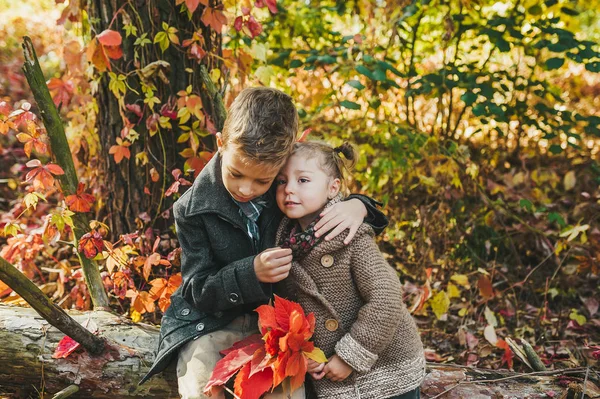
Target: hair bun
[[347, 150]]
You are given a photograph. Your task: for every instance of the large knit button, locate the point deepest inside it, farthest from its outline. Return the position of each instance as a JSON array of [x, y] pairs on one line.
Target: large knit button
[[233, 297], [200, 326], [331, 324], [327, 260], [185, 312]]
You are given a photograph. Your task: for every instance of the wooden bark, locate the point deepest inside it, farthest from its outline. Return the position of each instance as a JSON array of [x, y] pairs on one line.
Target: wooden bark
[[28, 342], [124, 182], [62, 154], [27, 365]]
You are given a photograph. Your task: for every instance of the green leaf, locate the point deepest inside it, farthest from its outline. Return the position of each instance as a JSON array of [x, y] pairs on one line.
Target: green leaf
[[469, 97], [555, 217], [363, 70], [555, 149], [349, 104], [593, 66], [554, 63], [479, 109], [296, 63], [356, 84], [569, 11], [525, 203], [379, 74], [535, 10]]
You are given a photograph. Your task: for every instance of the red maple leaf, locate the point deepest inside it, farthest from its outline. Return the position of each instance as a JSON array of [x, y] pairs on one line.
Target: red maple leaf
[[80, 201], [65, 347], [41, 175], [91, 244], [231, 364], [214, 18]]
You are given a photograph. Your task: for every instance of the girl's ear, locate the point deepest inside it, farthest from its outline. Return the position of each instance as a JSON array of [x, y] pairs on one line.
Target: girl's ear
[[219, 141], [334, 188]]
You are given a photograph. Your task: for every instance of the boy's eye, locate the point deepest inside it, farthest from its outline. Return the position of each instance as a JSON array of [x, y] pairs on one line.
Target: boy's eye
[[263, 182], [235, 175], [279, 182]]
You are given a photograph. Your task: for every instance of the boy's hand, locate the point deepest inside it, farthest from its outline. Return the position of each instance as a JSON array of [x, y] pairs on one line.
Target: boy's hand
[[339, 217], [315, 369], [336, 369], [273, 264]]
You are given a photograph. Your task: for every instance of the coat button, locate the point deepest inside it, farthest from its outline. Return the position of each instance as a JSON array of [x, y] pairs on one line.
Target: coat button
[[233, 297], [327, 260], [331, 324], [185, 312], [200, 326]]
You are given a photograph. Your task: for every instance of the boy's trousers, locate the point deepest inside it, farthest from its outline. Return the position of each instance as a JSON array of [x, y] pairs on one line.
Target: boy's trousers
[[197, 359]]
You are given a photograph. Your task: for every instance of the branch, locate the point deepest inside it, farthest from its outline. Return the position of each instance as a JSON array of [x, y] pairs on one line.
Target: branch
[[48, 310], [62, 153]]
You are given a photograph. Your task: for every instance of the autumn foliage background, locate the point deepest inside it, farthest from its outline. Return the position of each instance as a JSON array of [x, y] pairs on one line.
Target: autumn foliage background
[[478, 125]]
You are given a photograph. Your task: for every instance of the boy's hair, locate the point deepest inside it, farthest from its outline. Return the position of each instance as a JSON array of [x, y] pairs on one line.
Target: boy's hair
[[330, 158], [263, 123]]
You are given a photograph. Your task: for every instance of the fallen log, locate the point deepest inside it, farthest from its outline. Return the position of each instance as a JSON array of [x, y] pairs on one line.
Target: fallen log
[[27, 367]]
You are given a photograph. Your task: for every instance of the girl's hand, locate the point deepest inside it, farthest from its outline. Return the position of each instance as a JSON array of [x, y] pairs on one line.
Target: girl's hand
[[339, 217], [315, 369], [336, 369]]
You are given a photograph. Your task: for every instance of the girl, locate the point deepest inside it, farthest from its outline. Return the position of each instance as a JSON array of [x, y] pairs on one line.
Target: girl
[[364, 328]]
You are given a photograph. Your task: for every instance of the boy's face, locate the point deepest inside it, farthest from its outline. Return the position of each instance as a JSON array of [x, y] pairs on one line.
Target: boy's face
[[303, 189], [243, 178]]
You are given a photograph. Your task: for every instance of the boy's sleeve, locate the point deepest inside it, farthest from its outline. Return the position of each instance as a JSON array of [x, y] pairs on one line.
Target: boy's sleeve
[[378, 318], [375, 218], [210, 286]]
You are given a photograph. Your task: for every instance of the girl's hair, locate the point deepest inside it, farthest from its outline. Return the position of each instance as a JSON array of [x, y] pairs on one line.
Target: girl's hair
[[337, 162]]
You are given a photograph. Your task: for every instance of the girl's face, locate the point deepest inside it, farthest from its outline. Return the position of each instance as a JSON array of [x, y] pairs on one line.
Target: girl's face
[[303, 189]]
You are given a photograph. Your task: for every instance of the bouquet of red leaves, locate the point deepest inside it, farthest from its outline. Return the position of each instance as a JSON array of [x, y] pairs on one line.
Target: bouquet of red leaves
[[263, 361]]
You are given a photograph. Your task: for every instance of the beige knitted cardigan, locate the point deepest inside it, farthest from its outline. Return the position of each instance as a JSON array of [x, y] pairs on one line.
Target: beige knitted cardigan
[[353, 288]]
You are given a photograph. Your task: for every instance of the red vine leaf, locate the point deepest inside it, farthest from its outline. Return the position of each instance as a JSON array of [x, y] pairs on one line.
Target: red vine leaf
[[81, 201]]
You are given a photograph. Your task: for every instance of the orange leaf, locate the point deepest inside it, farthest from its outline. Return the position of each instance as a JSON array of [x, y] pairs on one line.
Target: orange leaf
[[109, 38], [90, 244], [485, 287], [296, 368], [151, 260], [41, 175], [266, 318], [214, 18], [142, 302], [120, 150], [97, 56], [81, 201], [193, 4], [279, 368]]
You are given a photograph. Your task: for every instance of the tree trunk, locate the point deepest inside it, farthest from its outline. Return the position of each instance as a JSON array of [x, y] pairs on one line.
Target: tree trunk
[[27, 365], [124, 183]]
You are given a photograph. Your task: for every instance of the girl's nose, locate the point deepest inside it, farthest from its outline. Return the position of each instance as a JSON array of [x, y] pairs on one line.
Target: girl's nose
[[289, 188]]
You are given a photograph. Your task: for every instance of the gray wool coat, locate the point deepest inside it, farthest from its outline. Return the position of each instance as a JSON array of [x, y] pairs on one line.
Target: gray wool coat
[[360, 316], [217, 262]]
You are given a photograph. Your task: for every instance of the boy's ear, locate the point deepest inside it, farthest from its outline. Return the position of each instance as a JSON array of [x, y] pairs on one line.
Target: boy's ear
[[219, 140], [334, 188]]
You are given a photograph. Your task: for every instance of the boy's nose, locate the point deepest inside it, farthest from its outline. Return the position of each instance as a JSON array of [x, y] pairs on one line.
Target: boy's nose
[[245, 190]]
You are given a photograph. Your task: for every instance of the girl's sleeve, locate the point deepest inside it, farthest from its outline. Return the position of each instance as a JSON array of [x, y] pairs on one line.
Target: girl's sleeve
[[208, 285], [378, 319], [375, 218]]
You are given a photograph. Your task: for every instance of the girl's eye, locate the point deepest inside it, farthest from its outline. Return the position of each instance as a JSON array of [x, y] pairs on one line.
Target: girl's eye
[[303, 180]]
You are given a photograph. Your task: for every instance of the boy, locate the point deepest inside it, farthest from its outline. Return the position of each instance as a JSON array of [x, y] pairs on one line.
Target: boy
[[226, 224]]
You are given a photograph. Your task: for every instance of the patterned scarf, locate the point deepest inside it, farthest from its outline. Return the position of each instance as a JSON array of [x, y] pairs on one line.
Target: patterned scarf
[[301, 242]]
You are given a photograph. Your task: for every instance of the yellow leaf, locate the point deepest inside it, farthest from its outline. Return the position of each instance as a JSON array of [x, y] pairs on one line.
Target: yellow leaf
[[136, 316], [440, 304], [317, 355], [264, 74], [461, 279], [453, 291], [463, 312], [569, 180]]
